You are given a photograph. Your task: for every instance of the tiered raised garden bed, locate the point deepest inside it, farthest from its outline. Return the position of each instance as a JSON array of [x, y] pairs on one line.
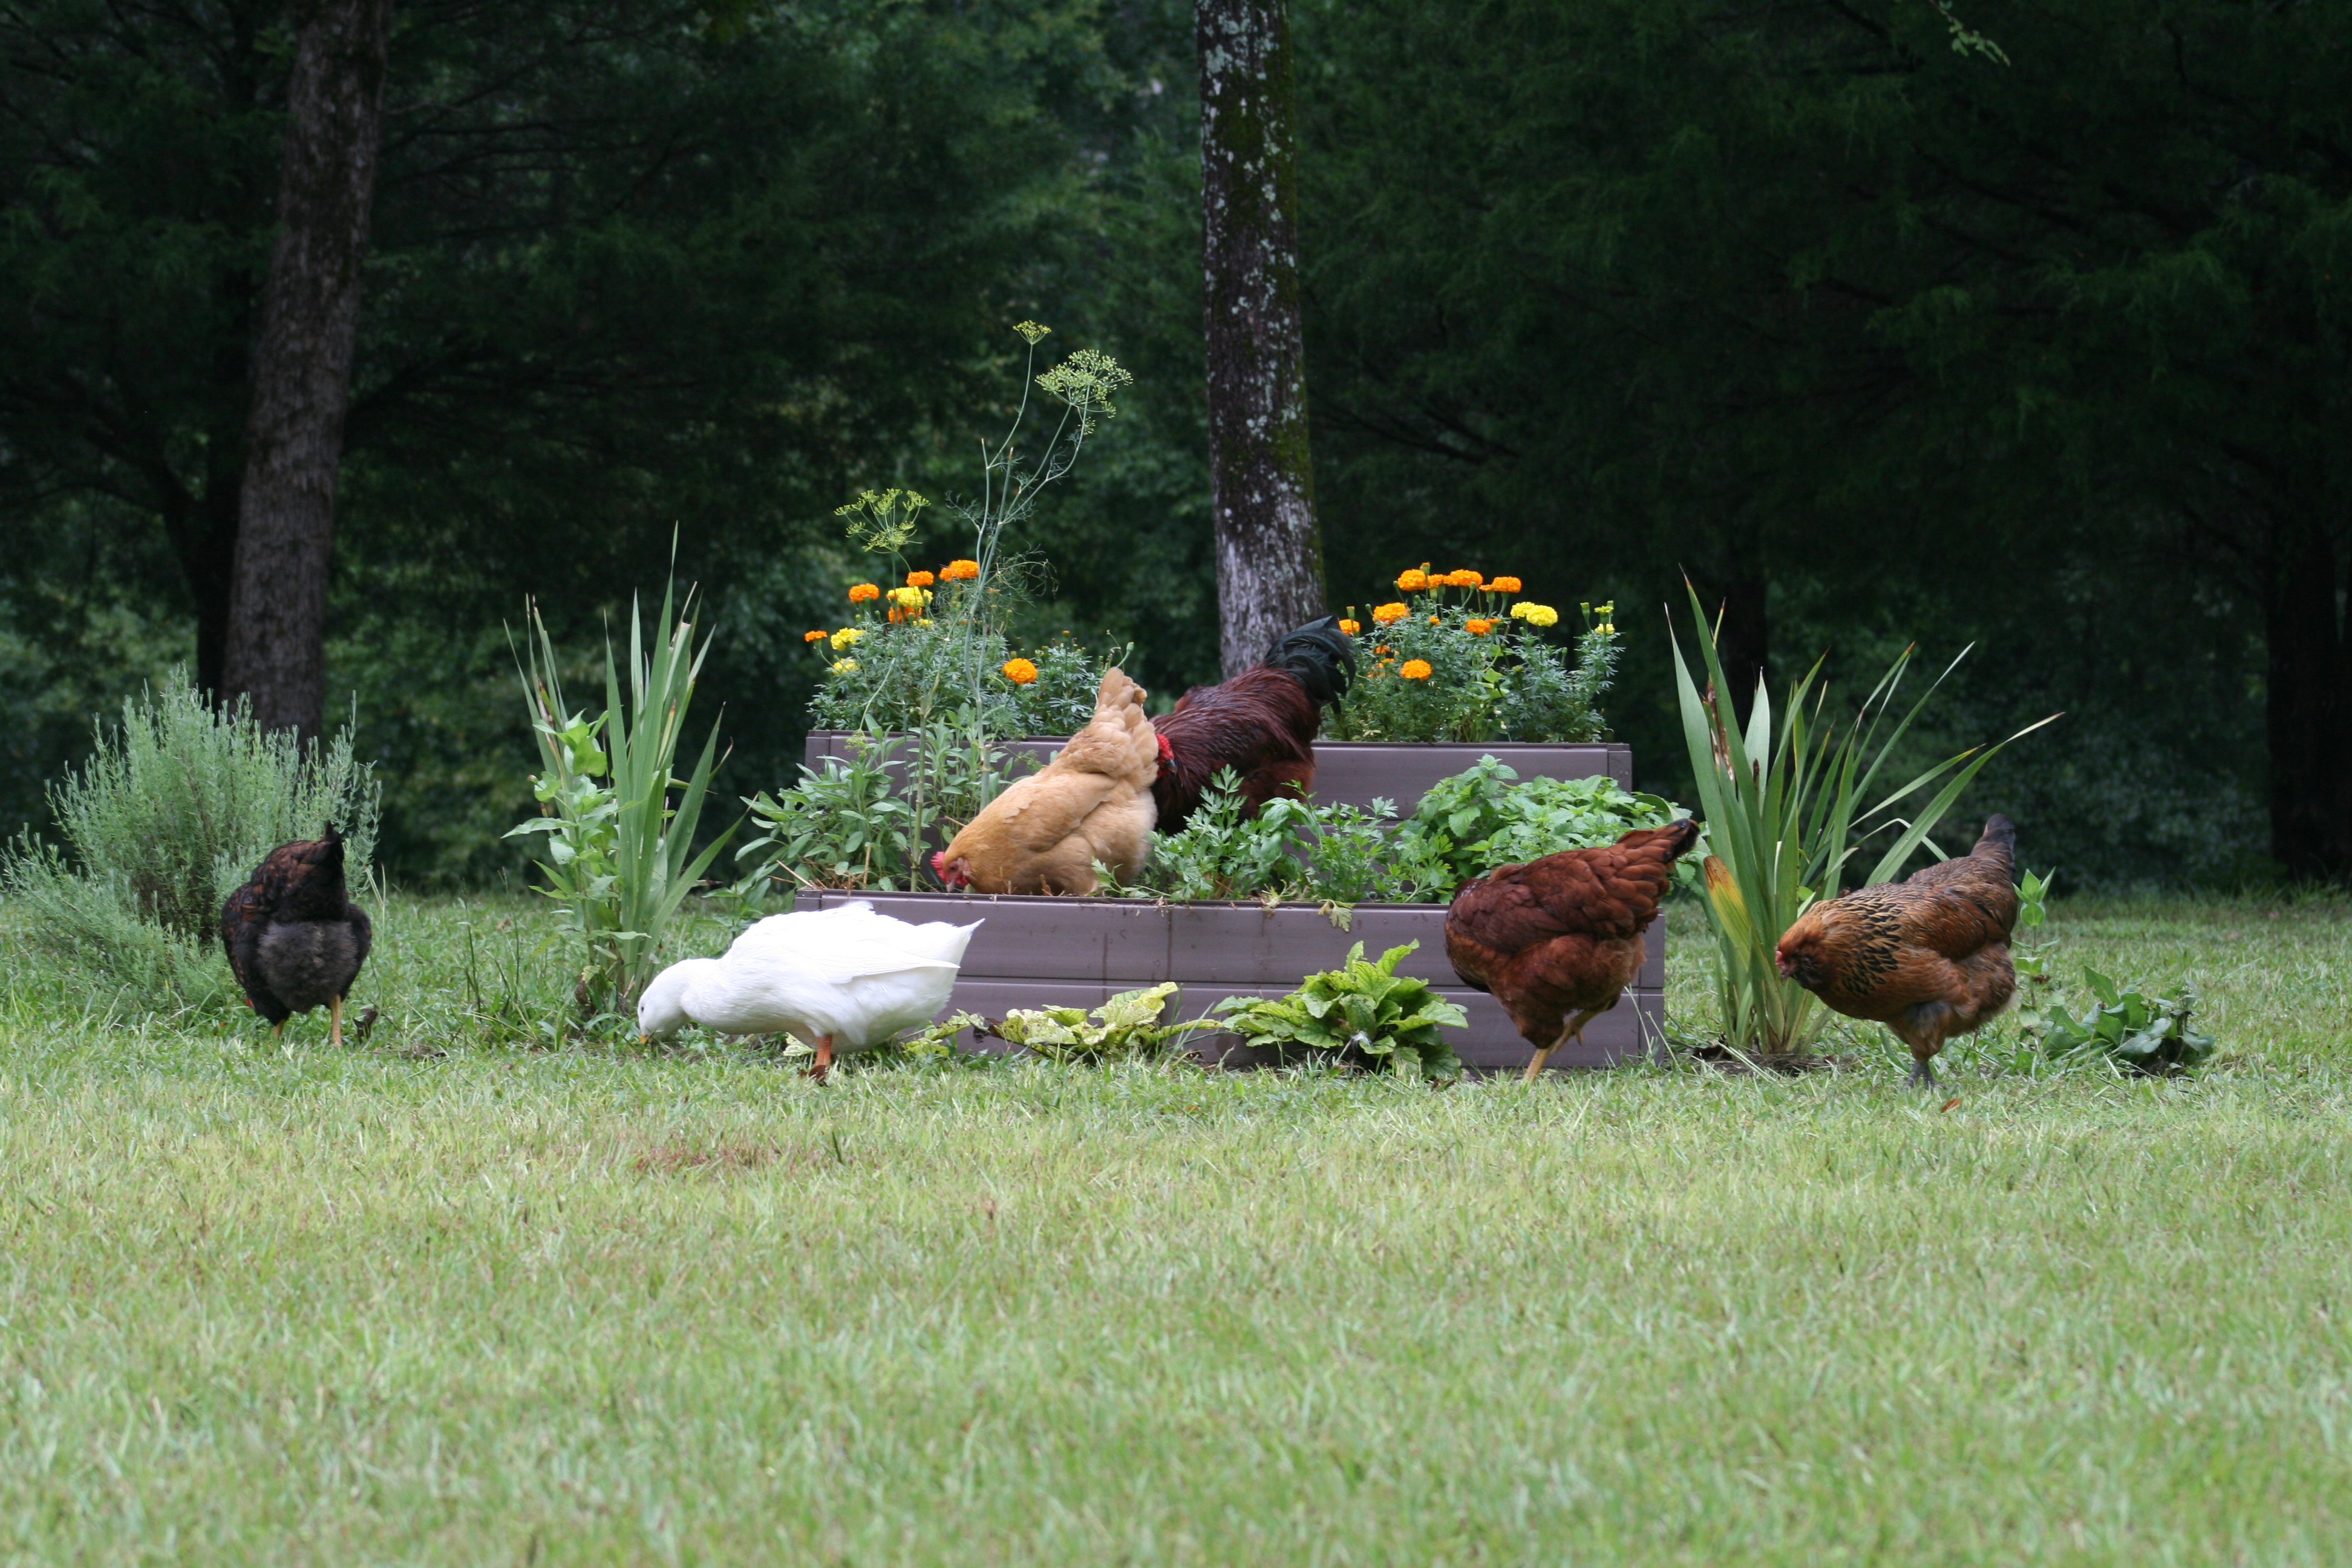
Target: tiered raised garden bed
[[1035, 953]]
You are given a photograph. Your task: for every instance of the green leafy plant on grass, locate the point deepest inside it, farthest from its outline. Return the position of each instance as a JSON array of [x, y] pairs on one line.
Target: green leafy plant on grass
[[617, 853], [1128, 1025], [1787, 802], [1460, 657], [2141, 1034], [1361, 1009], [172, 809], [2033, 959]]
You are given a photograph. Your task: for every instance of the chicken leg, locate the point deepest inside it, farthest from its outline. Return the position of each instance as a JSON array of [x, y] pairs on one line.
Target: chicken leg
[[1923, 1071], [1574, 1029], [335, 1022], [823, 1068]]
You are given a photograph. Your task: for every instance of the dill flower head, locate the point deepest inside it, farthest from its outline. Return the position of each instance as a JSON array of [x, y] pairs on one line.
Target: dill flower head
[[959, 571], [1388, 613], [862, 593], [1477, 629], [1414, 670], [844, 667], [1411, 580], [1504, 586], [1535, 615], [919, 579], [844, 637], [817, 636], [1031, 331], [1353, 628], [1020, 671]]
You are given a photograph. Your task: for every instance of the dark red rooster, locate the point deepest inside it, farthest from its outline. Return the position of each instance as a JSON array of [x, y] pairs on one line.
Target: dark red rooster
[[295, 941], [1261, 723], [1557, 940]]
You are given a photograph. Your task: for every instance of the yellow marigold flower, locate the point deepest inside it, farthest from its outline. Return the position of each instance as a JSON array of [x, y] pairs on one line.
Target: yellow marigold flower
[[919, 579], [1020, 671], [818, 636], [844, 637], [1504, 586], [1414, 670], [910, 598], [844, 665], [1477, 629], [1412, 581], [959, 571], [1535, 615], [1388, 613], [860, 593], [1353, 628]]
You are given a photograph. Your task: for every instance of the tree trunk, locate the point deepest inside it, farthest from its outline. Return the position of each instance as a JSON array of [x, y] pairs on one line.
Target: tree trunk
[[303, 363], [2309, 706], [1269, 556]]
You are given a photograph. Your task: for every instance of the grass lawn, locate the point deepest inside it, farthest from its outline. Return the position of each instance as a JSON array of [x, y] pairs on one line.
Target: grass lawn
[[445, 1299]]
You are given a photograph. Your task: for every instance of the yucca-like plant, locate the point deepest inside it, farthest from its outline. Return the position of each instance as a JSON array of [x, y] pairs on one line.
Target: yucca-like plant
[[618, 855], [1784, 801]]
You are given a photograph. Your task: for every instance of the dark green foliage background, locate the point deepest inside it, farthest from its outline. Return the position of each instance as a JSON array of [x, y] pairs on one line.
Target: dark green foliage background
[[1876, 341]]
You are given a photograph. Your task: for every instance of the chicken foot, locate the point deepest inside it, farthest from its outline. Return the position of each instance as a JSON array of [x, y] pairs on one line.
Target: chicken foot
[[1575, 1028], [1923, 1071]]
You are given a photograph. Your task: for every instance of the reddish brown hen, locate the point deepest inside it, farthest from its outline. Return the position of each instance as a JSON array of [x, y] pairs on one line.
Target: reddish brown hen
[[1557, 940], [1261, 723], [1927, 957]]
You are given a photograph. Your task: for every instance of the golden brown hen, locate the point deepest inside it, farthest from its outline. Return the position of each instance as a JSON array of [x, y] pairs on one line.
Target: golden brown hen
[[1927, 957], [1091, 804], [1557, 940]]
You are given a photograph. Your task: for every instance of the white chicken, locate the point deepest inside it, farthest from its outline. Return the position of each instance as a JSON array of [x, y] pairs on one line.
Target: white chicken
[[840, 979]]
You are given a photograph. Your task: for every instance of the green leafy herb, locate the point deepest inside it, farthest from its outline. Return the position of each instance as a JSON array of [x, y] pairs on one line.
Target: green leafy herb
[[2143, 1034], [1126, 1026], [1363, 1007]]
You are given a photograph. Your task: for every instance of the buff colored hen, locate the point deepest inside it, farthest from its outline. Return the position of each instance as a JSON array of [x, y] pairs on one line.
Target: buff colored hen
[[1093, 802]]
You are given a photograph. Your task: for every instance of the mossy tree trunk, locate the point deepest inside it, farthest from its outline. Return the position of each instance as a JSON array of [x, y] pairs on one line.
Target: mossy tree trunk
[[1269, 555], [276, 649]]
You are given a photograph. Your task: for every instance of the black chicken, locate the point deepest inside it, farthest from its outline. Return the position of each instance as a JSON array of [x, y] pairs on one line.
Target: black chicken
[[295, 941]]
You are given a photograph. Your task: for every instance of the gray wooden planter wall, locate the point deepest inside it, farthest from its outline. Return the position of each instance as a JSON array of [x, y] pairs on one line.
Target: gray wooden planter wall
[[1035, 952]]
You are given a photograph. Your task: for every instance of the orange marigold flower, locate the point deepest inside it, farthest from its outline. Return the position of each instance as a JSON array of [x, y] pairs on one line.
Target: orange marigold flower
[[1385, 651], [1478, 628], [1415, 669], [1020, 671], [959, 571], [1412, 580], [815, 636], [1388, 613], [1504, 586], [861, 593], [1435, 621], [1353, 628], [1466, 578], [919, 579]]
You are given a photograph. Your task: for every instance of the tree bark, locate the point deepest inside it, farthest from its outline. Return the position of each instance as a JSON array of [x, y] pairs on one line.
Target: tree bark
[[276, 651], [2309, 704], [1269, 554]]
